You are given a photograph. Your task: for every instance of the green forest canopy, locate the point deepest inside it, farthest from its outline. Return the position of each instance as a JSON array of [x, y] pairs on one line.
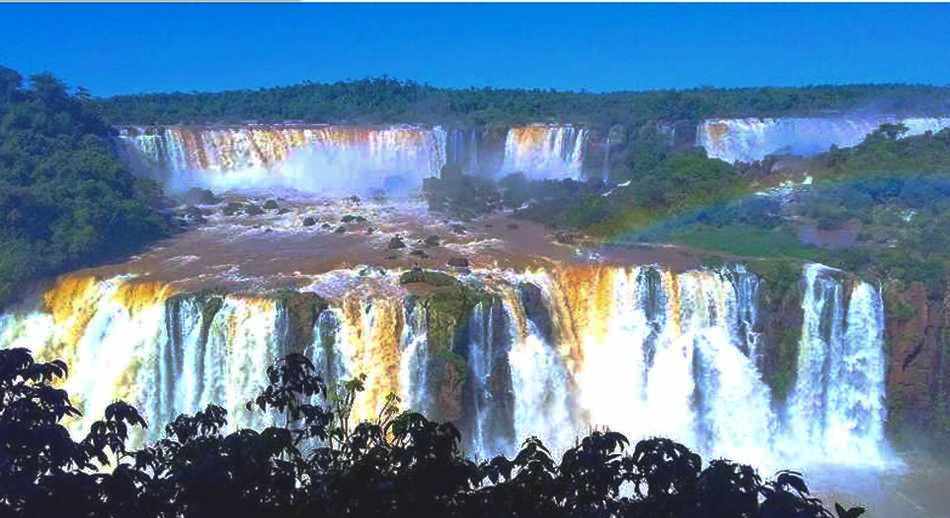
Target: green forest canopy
[[386, 100], [65, 198]]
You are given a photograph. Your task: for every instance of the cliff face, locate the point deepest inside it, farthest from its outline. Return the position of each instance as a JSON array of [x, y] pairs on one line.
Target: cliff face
[[918, 338]]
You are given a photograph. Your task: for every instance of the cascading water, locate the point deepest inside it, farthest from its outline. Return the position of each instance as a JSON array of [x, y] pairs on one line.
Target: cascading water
[[550, 353], [836, 409], [545, 152], [752, 139], [318, 159]]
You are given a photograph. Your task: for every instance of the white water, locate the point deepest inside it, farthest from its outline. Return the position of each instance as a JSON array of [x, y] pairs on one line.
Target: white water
[[665, 354], [545, 152], [317, 159], [752, 139]]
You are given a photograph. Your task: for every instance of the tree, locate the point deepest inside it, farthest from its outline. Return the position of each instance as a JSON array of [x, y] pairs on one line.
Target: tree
[[396, 466]]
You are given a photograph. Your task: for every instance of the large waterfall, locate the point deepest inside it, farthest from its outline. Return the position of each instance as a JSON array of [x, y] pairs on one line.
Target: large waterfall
[[545, 152], [309, 158], [752, 139], [341, 159], [550, 352]]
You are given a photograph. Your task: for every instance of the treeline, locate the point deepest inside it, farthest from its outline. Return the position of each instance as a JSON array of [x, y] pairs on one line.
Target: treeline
[[318, 464], [65, 198], [385, 100]]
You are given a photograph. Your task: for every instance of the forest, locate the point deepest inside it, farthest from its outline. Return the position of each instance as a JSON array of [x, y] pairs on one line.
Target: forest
[[386, 100], [314, 462], [65, 198]]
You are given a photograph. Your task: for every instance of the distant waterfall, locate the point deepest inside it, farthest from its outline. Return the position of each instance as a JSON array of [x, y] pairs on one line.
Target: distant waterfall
[[752, 139], [550, 352], [545, 152], [315, 158]]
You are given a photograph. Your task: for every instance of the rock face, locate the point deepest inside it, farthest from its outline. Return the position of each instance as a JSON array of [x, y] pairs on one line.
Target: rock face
[[918, 378], [447, 305], [302, 309]]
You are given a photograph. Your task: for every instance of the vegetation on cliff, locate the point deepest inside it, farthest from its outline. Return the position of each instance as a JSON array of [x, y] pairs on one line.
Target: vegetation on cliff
[[317, 464], [386, 100], [65, 198]]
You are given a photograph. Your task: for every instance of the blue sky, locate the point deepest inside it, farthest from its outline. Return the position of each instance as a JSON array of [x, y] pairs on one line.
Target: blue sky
[[114, 49]]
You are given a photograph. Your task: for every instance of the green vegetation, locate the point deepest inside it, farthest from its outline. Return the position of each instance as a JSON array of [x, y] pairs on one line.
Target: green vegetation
[[65, 198], [386, 100]]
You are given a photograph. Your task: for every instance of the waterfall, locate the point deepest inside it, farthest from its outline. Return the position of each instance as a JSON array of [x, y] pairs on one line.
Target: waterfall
[[551, 353], [461, 150], [414, 361], [545, 152], [489, 400], [318, 159], [836, 409], [752, 139]]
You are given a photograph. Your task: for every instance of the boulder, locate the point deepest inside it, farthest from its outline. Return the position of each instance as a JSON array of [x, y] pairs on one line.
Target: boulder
[[253, 210], [458, 228], [339, 230], [396, 243], [193, 215], [458, 262], [271, 205], [195, 196], [232, 208], [352, 218], [419, 253], [432, 241], [309, 221]]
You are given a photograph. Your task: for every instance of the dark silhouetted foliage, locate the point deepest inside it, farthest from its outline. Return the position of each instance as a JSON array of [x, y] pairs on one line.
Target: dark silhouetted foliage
[[398, 465]]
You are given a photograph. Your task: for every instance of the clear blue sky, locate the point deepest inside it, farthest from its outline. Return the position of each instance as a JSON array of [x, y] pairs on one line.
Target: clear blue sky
[[114, 49]]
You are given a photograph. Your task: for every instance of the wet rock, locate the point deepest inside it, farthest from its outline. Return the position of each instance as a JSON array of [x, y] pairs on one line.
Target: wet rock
[[535, 309], [432, 241], [458, 228], [302, 310], [353, 199], [193, 215], [271, 205], [458, 262], [370, 230], [232, 208], [283, 210], [195, 196], [326, 226], [253, 210], [309, 221], [419, 253], [339, 230], [419, 275], [370, 271], [392, 257], [352, 218], [566, 238], [396, 243]]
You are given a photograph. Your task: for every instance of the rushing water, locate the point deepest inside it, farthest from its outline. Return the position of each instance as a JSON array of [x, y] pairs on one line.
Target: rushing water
[[752, 139], [641, 350], [339, 159]]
